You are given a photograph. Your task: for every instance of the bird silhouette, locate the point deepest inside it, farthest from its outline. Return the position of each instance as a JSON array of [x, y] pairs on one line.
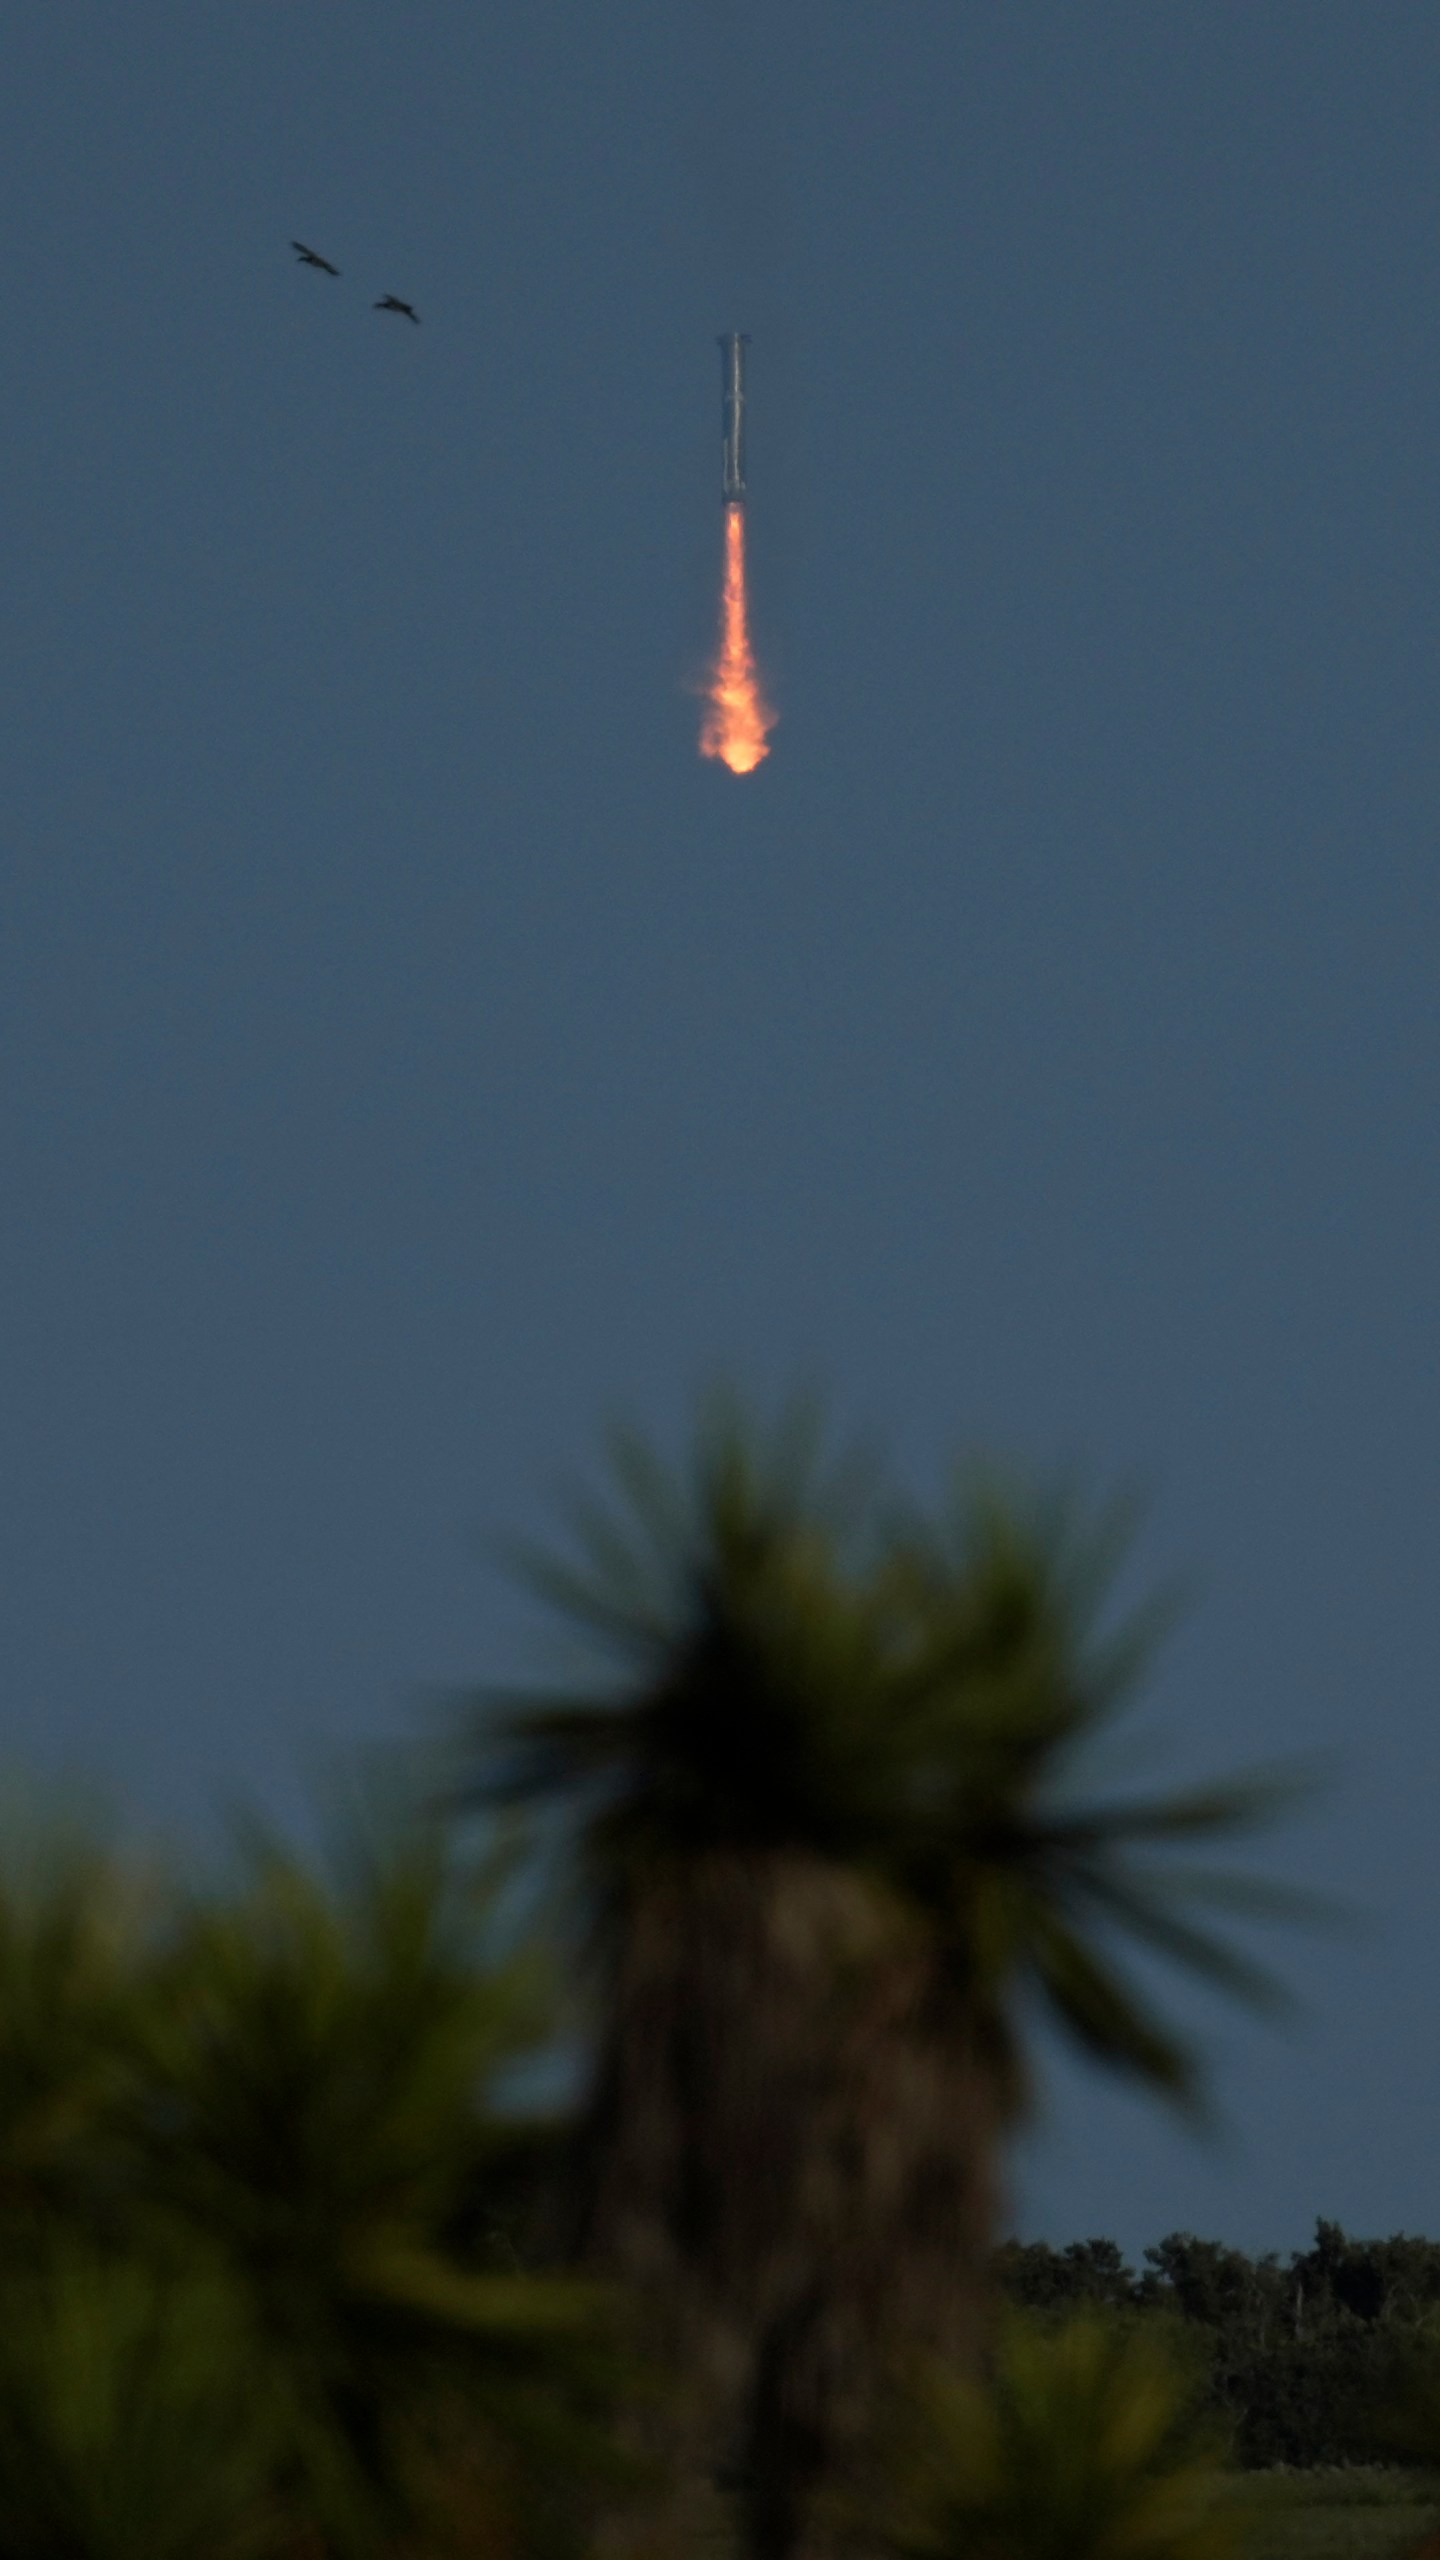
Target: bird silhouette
[[392, 302], [312, 258]]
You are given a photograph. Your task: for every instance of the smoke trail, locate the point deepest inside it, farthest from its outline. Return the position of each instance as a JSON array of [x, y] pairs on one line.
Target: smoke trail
[[737, 716]]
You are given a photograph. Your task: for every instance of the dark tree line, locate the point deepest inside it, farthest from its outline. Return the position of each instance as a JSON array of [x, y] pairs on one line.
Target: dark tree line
[[1301, 2355]]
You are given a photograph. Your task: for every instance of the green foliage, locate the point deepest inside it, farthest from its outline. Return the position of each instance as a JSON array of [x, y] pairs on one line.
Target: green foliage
[[1322, 2357], [130, 2421], [258, 2282], [73, 1953], [314, 2114], [1088, 2272], [1081, 2443]]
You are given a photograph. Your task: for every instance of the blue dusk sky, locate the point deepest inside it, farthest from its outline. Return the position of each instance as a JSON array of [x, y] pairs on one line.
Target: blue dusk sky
[[412, 1053]]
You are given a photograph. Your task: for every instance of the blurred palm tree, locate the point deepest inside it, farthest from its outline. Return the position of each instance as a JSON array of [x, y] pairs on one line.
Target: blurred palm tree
[[129, 2418], [315, 2123], [1081, 2443], [75, 1941], [818, 1773]]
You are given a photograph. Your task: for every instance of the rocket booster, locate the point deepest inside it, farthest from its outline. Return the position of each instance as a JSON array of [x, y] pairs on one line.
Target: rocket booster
[[732, 412]]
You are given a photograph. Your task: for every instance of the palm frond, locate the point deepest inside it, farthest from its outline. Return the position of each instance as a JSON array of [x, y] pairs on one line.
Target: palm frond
[[133, 2417], [609, 1600], [1225, 1806], [1083, 2444], [509, 2312], [1106, 2015], [1145, 1911], [1252, 1897]]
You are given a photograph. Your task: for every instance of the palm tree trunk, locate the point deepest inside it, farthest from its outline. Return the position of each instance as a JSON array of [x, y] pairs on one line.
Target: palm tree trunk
[[791, 2157]]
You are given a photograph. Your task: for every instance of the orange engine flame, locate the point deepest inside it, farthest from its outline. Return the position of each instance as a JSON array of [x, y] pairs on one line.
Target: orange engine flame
[[738, 716]]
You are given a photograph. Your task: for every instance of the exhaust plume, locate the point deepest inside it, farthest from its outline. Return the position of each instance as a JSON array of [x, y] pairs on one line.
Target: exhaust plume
[[737, 717]]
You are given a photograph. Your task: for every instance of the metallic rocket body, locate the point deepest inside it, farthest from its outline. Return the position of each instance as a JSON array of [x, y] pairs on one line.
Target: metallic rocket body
[[732, 411]]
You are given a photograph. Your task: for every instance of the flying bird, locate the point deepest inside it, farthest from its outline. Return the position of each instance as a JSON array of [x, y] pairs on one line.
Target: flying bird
[[392, 302], [312, 258]]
